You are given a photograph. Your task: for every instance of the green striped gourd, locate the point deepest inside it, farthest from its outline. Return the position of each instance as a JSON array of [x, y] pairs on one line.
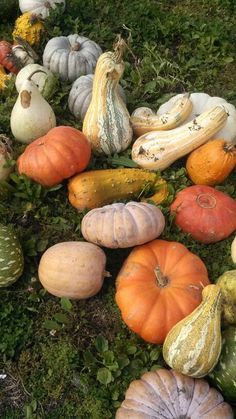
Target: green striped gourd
[[223, 376], [193, 345], [11, 256], [107, 121]]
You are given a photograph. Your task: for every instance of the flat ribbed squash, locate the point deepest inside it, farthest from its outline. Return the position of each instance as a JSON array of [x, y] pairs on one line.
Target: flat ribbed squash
[[11, 257]]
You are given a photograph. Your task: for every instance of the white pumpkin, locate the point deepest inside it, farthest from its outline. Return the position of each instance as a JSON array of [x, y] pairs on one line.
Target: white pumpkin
[[71, 56], [203, 102], [40, 7], [44, 79], [122, 225], [81, 94]]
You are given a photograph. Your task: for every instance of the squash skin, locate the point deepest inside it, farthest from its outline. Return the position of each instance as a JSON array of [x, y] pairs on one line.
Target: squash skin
[[93, 189], [193, 345], [233, 250], [107, 120], [12, 258], [159, 284], [123, 225], [29, 27], [224, 373], [227, 283], [204, 212], [163, 394], [72, 269], [211, 163]]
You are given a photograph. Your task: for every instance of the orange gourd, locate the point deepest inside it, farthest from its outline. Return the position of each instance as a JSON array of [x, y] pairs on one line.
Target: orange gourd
[[159, 284], [60, 154], [211, 163]]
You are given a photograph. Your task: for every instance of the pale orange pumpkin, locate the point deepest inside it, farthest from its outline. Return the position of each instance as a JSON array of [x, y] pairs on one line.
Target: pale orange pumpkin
[[211, 163], [159, 284]]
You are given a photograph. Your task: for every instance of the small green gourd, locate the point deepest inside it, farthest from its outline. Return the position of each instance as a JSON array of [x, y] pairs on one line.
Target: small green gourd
[[11, 257], [193, 345]]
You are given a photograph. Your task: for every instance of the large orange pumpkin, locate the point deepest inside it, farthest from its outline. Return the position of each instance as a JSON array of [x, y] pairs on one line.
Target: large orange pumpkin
[[159, 284], [211, 163], [60, 154], [204, 212]]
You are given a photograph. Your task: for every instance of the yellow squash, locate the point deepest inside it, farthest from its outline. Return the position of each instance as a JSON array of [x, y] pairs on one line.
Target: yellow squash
[[193, 345], [157, 150], [28, 27], [107, 121], [96, 188]]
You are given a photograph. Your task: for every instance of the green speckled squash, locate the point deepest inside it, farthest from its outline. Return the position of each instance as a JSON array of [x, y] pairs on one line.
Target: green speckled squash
[[193, 345], [223, 376], [11, 257], [227, 283]]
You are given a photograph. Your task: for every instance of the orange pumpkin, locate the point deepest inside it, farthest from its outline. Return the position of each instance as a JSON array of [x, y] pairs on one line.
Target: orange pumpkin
[[211, 163], [60, 154], [159, 284]]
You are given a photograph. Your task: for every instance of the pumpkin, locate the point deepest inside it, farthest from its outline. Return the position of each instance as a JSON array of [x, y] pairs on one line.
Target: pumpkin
[[107, 120], [28, 27], [72, 269], [227, 283], [58, 155], [211, 163], [145, 120], [11, 256], [123, 225], [71, 56], [5, 156], [223, 375], [163, 394], [204, 212], [81, 93], [233, 250], [3, 78], [96, 188], [193, 345], [7, 59], [159, 284], [203, 102], [157, 150], [44, 79], [40, 8]]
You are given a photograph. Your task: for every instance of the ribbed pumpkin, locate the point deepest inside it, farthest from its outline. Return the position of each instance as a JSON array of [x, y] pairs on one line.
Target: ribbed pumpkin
[[204, 212], [58, 155], [193, 345], [211, 163], [123, 225], [11, 256], [40, 8], [73, 269], [29, 27], [166, 394], [107, 120], [224, 373], [81, 94], [159, 284]]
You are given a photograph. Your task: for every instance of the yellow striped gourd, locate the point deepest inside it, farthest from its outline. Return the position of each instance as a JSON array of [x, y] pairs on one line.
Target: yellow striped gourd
[[193, 345]]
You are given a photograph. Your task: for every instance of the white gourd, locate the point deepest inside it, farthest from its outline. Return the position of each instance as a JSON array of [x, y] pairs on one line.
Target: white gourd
[[31, 116], [40, 8], [203, 102], [44, 79]]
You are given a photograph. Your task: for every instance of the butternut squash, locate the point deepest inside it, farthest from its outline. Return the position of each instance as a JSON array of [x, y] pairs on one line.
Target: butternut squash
[[107, 121], [193, 345], [96, 188]]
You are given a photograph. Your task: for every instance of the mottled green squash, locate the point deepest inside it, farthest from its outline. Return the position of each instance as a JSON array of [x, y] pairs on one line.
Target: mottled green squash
[[227, 282], [11, 256], [193, 345], [224, 374]]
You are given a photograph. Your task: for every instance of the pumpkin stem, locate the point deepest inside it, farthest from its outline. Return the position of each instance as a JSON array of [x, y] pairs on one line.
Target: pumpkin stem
[[76, 47], [162, 280], [205, 200], [119, 48]]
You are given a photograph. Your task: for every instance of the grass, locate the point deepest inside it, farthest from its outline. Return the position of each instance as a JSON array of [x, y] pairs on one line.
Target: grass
[[76, 359]]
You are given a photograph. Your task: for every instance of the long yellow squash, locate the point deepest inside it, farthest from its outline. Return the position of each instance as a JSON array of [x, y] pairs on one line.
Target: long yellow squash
[[107, 121], [157, 150], [96, 188]]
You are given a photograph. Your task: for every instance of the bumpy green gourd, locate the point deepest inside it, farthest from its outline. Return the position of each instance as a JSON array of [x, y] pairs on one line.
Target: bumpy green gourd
[[193, 345], [11, 257]]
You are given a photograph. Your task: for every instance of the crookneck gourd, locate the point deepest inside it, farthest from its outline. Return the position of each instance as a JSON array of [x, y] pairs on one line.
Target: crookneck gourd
[[107, 120], [193, 345]]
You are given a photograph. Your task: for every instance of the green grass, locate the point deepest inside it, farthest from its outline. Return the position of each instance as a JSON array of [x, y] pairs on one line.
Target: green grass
[[76, 360]]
